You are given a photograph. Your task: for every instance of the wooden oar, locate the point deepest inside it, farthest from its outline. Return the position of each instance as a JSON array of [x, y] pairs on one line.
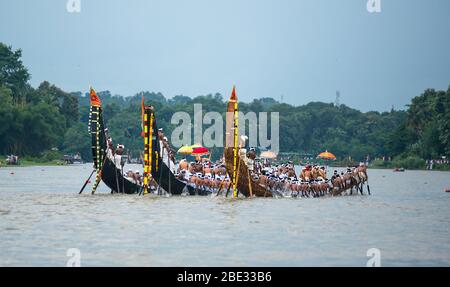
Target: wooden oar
[[99, 175], [87, 181], [220, 187], [123, 182], [170, 171], [160, 172], [249, 183], [121, 165], [228, 190], [237, 177]]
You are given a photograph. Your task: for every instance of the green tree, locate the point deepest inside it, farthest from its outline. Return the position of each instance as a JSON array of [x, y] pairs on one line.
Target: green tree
[[13, 74], [77, 140]]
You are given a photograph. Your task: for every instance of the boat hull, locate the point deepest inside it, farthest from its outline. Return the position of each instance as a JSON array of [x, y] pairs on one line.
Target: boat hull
[[160, 172], [122, 185], [167, 181], [243, 177]]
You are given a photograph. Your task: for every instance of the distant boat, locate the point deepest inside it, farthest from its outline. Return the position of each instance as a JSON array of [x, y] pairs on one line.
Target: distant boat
[[72, 159], [12, 160], [399, 169]]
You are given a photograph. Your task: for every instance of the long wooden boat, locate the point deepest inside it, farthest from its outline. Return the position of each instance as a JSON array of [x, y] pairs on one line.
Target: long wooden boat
[[236, 167], [106, 169], [109, 178], [159, 171]]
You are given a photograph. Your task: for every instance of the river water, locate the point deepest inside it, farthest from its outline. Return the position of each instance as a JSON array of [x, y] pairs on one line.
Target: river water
[[407, 218]]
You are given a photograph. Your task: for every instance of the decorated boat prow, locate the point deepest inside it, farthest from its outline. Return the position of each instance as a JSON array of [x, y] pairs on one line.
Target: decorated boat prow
[[234, 154], [154, 166], [106, 165]]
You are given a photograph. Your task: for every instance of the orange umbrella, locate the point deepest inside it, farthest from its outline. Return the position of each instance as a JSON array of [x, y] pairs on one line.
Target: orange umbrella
[[327, 155]]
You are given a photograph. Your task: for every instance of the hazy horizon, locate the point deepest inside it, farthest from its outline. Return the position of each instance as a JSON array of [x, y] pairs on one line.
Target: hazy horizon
[[225, 98], [301, 51]]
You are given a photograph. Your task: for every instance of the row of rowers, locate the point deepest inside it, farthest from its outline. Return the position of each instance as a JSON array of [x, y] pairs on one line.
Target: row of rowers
[[203, 174], [210, 177], [264, 172], [116, 155], [119, 160], [286, 173]]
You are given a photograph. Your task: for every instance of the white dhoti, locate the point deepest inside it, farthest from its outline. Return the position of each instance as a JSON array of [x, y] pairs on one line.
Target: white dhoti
[[116, 159], [250, 164]]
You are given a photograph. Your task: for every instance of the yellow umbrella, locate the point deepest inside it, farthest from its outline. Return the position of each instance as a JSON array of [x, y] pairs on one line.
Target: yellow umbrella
[[196, 146], [185, 150], [268, 154], [327, 155]]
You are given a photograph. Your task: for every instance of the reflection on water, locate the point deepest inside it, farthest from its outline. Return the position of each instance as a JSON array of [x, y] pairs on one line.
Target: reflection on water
[[41, 216]]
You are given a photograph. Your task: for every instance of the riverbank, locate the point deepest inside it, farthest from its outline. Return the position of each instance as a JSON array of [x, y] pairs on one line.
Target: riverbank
[[47, 158], [26, 163], [408, 163], [440, 168]]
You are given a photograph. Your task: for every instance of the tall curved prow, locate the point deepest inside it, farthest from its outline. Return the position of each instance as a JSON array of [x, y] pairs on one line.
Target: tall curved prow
[[236, 167], [154, 166], [150, 163], [98, 140], [104, 166]]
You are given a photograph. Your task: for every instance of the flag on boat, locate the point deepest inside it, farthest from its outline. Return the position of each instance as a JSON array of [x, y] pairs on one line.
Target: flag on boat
[[95, 100]]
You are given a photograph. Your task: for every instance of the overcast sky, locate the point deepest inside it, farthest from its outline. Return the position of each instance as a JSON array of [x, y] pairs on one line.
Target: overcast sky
[[301, 50]]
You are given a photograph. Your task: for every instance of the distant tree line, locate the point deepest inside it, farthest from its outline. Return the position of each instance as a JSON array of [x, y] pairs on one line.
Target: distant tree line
[[35, 120]]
